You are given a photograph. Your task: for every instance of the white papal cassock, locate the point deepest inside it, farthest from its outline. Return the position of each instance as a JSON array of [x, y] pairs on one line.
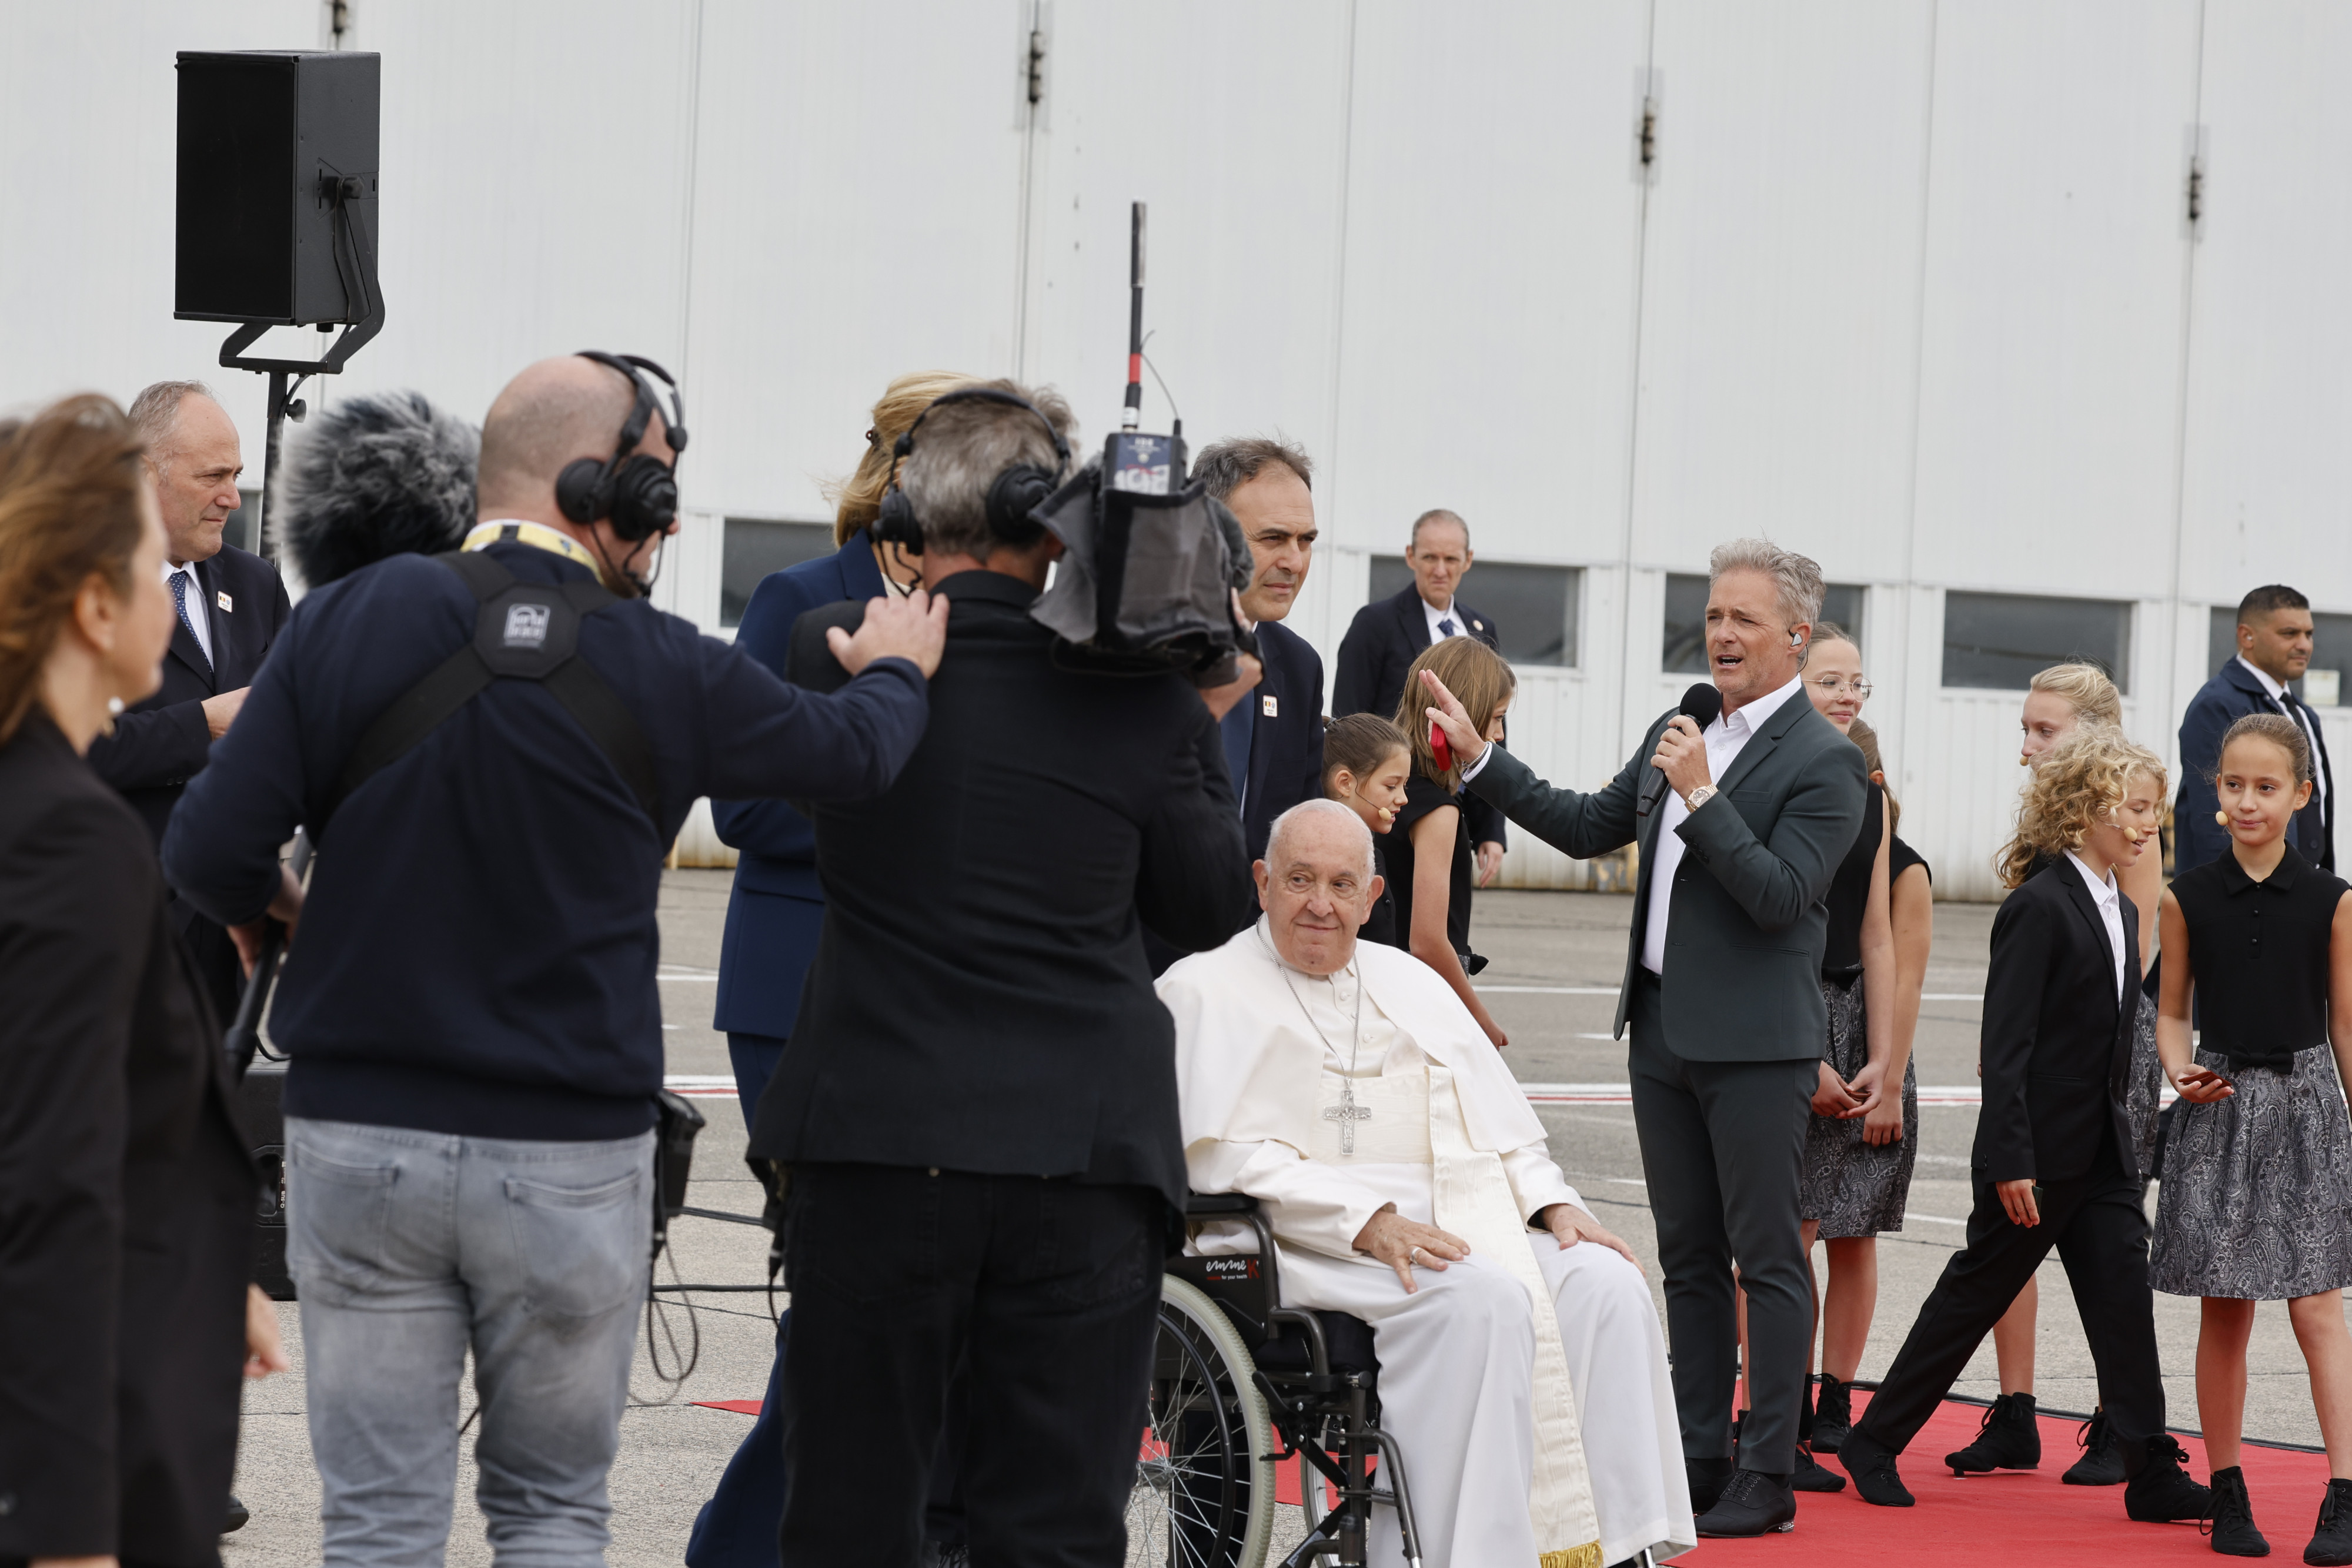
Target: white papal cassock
[[1525, 1385]]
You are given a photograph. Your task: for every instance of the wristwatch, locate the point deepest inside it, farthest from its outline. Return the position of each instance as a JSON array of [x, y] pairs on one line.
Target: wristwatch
[[1699, 797]]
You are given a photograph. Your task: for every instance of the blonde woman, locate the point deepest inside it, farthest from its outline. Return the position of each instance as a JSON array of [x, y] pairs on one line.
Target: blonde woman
[[2053, 1164]]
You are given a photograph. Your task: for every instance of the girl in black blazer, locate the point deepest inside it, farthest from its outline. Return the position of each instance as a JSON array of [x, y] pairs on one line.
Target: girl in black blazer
[[2055, 1164], [126, 1192]]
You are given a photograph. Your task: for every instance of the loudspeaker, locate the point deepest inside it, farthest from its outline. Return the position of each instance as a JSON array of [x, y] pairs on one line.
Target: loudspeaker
[[260, 1106], [276, 206]]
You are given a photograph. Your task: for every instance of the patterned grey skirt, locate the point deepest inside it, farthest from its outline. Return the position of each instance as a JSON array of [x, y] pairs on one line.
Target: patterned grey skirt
[[2144, 1088], [1851, 1186], [2256, 1201]]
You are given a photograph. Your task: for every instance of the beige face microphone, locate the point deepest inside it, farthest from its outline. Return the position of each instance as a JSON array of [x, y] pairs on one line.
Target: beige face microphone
[[2222, 817]]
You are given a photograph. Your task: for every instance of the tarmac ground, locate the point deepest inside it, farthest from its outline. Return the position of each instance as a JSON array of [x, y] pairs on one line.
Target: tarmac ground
[[672, 1450]]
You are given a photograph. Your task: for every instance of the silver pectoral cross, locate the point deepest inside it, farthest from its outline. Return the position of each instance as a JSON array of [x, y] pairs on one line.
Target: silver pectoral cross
[[1346, 1113]]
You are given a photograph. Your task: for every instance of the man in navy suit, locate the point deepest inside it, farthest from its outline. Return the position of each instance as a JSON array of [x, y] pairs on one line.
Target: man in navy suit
[[231, 605], [1386, 638], [2275, 631]]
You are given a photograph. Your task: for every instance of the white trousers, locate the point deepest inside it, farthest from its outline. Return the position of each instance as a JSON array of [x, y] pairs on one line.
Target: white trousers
[[1457, 1371]]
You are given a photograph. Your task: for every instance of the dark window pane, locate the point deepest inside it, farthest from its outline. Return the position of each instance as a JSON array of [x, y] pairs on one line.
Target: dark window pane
[[1683, 650], [1998, 642], [1842, 607], [754, 548], [2323, 685], [243, 525], [1533, 607]]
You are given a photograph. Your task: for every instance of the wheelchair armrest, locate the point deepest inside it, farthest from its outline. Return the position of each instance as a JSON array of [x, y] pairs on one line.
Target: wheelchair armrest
[[1219, 1203]]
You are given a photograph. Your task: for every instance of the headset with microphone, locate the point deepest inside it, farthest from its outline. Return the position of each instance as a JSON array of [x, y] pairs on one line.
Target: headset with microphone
[[634, 490], [1012, 495]]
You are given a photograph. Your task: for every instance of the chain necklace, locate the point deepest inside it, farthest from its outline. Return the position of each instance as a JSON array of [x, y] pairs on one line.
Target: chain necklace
[[1346, 1113]]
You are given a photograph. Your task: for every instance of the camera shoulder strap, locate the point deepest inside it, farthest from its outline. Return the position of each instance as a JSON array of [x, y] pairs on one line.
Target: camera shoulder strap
[[523, 631]]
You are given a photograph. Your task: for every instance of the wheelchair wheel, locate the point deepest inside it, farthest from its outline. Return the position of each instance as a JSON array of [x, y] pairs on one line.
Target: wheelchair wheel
[[1203, 1494]]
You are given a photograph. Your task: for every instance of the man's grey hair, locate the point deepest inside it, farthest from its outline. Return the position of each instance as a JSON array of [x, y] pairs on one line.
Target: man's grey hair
[[1226, 466], [961, 447], [1306, 811], [155, 412], [1798, 577], [1439, 515]]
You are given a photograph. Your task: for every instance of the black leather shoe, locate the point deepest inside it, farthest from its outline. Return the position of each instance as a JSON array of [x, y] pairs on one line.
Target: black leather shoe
[[1832, 1415], [2234, 1532], [1810, 1474], [1707, 1479], [2331, 1547], [2163, 1491], [2102, 1464], [237, 1516], [1871, 1463], [1753, 1503], [2010, 1439]]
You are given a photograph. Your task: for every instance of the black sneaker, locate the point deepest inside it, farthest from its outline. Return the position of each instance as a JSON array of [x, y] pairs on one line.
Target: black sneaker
[[238, 1516], [2232, 1529], [2010, 1439], [1832, 1415], [1810, 1475], [1707, 1479], [2331, 1547], [2102, 1464], [2163, 1491], [1871, 1463], [1753, 1503]]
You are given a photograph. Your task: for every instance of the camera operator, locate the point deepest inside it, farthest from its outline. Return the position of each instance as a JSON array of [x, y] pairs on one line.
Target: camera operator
[[976, 1108], [470, 1007]]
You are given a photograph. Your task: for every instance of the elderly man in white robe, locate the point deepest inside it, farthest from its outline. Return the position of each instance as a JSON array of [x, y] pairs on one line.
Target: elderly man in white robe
[[1406, 1182]]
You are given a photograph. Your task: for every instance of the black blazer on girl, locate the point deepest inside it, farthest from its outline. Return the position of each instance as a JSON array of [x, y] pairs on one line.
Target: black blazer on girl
[[2057, 1037]]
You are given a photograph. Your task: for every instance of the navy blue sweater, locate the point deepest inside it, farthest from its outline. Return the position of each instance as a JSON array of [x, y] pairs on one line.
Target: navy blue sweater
[[477, 951]]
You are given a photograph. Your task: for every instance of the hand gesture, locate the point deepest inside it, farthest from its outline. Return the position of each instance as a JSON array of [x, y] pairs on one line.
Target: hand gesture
[[1402, 1244], [1248, 674], [2200, 1085], [2017, 1201], [1833, 1099], [914, 628], [1572, 1225], [1867, 1087], [285, 909], [1490, 860], [1449, 716], [263, 1351], [1682, 754]]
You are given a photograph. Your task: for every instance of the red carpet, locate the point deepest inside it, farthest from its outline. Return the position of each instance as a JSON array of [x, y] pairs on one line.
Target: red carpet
[[2019, 1516], [741, 1406]]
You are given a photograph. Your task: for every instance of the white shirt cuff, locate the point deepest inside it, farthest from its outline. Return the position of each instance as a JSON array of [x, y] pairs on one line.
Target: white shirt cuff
[[1472, 771]]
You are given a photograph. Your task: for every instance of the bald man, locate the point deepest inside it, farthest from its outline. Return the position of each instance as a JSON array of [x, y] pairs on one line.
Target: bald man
[[495, 750]]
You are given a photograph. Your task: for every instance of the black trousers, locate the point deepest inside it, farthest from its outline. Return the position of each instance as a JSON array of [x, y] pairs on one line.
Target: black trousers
[[1723, 1148], [1049, 1289], [2100, 1230]]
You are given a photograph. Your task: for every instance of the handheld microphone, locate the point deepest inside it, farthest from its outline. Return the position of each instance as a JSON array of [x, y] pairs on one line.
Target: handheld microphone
[[1701, 705]]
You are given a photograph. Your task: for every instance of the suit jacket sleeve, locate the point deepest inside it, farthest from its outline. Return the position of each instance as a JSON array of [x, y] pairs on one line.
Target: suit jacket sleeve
[[2197, 839], [1774, 879], [163, 746], [1357, 673], [846, 740], [767, 827], [1307, 1203], [1574, 823], [2023, 947], [1194, 888], [76, 887]]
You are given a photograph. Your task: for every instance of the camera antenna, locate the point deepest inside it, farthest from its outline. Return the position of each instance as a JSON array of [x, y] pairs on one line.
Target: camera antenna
[[1132, 414], [1132, 460]]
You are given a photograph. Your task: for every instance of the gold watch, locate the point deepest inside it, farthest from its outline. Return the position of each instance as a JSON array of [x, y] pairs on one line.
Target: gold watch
[[1699, 797]]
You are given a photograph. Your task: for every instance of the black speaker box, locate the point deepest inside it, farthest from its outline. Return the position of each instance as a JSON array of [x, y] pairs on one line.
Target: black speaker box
[[278, 153], [261, 1105]]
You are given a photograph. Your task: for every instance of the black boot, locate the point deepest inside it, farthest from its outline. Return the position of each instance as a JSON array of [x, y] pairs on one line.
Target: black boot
[[2331, 1547], [1871, 1463], [2101, 1464], [2161, 1490], [1811, 1475], [2010, 1439], [2233, 1531], [1833, 1415], [1752, 1504], [1707, 1479], [238, 1518]]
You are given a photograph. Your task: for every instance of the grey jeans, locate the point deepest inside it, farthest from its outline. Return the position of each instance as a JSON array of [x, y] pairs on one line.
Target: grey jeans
[[409, 1248]]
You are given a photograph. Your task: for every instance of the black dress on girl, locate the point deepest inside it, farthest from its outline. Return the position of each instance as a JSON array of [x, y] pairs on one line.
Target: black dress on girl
[[1380, 925], [1423, 796], [2256, 1201], [1853, 1186]]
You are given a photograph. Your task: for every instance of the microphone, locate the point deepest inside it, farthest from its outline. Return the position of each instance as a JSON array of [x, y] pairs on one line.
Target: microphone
[[1701, 704], [379, 474]]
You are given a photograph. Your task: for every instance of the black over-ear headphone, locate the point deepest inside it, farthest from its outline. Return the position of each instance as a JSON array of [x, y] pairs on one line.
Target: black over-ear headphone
[[635, 490], [1011, 495]]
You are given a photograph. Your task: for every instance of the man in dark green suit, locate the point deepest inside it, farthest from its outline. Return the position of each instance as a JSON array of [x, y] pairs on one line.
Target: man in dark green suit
[[1723, 992]]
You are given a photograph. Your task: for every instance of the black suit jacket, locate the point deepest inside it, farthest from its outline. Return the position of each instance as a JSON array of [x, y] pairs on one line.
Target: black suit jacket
[[126, 1194], [1746, 928], [1381, 645], [980, 1000], [1285, 762], [2228, 697], [2057, 1037]]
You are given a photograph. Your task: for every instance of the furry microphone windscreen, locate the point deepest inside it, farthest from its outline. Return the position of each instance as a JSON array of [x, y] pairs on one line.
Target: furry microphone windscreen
[[380, 475]]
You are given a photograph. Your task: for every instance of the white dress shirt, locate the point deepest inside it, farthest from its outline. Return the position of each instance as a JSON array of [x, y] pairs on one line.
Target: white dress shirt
[[2110, 900], [199, 619], [2302, 715], [1436, 615], [1726, 738]]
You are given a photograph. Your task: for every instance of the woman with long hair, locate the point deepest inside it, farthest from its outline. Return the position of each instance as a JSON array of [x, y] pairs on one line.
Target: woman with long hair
[[1428, 853], [126, 1187]]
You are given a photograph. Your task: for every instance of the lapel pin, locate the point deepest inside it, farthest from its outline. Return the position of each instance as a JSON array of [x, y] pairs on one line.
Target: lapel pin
[[1477, 625], [1269, 706], [228, 605]]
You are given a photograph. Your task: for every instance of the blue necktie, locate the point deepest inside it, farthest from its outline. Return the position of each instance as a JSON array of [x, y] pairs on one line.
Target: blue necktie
[[1446, 626], [180, 603]]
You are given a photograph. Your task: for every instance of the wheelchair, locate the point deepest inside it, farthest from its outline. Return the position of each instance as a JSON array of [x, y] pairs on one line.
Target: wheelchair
[[1234, 1373]]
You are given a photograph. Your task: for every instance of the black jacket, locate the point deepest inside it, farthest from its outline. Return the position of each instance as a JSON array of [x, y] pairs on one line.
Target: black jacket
[[126, 1195], [2057, 1039], [1381, 645], [2228, 697], [1285, 764], [1746, 928], [980, 1000]]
